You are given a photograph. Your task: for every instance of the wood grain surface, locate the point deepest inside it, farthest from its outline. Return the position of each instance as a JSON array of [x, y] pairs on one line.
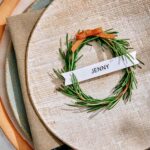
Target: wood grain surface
[[126, 126]]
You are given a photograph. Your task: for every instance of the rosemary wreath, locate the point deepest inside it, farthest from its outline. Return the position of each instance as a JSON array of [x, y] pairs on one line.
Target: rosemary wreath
[[118, 47]]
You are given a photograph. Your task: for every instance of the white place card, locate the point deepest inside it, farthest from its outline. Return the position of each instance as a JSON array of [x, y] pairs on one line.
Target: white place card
[[101, 68]]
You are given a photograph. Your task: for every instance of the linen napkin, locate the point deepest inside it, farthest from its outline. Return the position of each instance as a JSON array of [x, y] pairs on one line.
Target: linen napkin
[[20, 28]]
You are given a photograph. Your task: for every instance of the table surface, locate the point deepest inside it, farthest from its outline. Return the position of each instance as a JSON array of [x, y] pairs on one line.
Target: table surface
[[4, 143]]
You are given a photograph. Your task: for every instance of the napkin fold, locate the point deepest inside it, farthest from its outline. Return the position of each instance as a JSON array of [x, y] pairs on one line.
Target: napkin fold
[[20, 28]]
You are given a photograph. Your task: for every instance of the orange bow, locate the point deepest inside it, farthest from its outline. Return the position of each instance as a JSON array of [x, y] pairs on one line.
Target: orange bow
[[81, 36]]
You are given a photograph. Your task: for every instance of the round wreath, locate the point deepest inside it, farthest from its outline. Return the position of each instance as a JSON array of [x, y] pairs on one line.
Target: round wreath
[[118, 47]]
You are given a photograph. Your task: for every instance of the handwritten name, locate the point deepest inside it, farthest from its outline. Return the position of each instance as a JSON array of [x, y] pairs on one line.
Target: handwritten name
[[100, 68]]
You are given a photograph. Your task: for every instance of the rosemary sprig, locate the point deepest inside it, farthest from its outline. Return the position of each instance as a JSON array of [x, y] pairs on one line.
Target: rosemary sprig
[[123, 90]]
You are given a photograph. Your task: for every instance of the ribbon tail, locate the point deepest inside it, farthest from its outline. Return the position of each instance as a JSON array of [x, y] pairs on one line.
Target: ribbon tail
[[107, 36], [2, 27], [76, 45]]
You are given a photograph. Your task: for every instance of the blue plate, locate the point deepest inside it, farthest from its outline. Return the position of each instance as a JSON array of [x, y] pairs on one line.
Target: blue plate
[[14, 92]]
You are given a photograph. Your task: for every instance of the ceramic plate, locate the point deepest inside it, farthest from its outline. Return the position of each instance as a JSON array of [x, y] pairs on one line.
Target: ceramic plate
[[14, 92]]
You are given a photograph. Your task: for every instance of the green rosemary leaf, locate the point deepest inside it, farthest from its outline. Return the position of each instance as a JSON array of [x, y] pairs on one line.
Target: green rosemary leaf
[[67, 41], [141, 62], [78, 59], [62, 54], [112, 104]]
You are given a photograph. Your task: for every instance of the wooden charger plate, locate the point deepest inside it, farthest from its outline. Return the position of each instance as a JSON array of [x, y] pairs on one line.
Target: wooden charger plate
[[124, 127]]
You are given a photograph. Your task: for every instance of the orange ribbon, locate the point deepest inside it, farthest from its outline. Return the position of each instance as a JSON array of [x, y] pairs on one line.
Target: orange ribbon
[[81, 36]]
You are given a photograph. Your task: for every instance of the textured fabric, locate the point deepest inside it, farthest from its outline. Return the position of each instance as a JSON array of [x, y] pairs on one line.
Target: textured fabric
[[20, 28]]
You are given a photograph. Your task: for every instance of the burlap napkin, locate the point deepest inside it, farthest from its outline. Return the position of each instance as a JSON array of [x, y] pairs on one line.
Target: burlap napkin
[[20, 28]]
